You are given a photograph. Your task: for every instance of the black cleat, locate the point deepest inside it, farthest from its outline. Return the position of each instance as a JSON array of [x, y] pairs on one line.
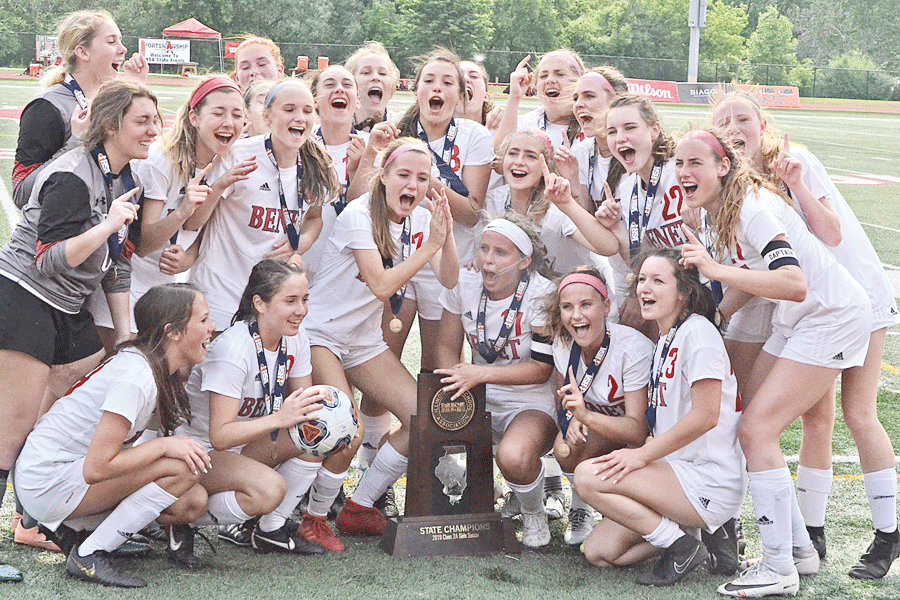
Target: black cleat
[[387, 504], [817, 537], [676, 561], [876, 562], [98, 567], [180, 547], [284, 539], [238, 534], [722, 545], [337, 505], [133, 547]]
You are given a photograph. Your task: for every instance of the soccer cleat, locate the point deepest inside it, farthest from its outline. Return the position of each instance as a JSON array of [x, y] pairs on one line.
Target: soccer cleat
[[759, 580], [387, 504], [34, 537], [722, 545], [535, 530], [511, 506], [806, 560], [739, 534], [315, 529], [238, 534], [676, 561], [581, 524], [876, 562], [17, 516], [98, 567], [180, 547], [133, 547], [355, 519], [554, 504], [155, 532], [284, 539], [817, 537], [10, 574]]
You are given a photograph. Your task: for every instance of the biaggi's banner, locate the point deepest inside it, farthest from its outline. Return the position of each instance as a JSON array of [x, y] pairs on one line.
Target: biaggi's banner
[[658, 91], [166, 52], [773, 96]]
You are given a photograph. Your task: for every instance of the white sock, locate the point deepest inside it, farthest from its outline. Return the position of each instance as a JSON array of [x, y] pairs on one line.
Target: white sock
[[387, 468], [551, 467], [531, 495], [772, 491], [577, 502], [813, 487], [130, 516], [881, 489], [222, 509], [665, 534], [799, 534], [376, 428], [323, 491], [299, 475]]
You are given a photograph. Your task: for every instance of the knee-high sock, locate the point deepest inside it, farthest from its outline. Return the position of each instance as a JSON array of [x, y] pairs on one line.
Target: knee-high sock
[[387, 468], [130, 516], [222, 509], [531, 495], [881, 489], [299, 475], [772, 491], [376, 428], [323, 491], [813, 488], [665, 534]]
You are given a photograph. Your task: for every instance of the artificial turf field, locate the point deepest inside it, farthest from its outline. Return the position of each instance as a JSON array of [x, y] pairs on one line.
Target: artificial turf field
[[859, 150]]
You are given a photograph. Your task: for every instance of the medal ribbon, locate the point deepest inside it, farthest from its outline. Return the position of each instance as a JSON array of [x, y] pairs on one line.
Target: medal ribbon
[[70, 84], [563, 416], [406, 249], [637, 223], [655, 374], [274, 395], [116, 241], [443, 160], [489, 351], [341, 202], [292, 233], [715, 286]]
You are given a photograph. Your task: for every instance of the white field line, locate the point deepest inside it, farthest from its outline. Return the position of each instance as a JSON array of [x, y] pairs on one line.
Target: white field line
[[880, 227], [835, 459], [10, 211]]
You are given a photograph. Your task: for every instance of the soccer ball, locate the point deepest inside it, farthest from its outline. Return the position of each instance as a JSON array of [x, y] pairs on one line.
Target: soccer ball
[[332, 428]]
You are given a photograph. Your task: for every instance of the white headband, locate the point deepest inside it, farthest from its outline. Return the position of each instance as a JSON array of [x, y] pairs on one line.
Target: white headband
[[513, 233]]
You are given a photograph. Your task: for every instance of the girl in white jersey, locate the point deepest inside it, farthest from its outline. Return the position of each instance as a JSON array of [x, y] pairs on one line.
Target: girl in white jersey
[[601, 376], [498, 308], [817, 332], [257, 58], [379, 242], [691, 472], [79, 462], [334, 90], [830, 218], [241, 415], [565, 248], [554, 79], [376, 79], [587, 163], [274, 213]]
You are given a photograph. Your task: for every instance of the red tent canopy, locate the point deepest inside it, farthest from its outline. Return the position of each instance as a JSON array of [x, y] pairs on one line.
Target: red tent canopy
[[194, 29], [191, 28]]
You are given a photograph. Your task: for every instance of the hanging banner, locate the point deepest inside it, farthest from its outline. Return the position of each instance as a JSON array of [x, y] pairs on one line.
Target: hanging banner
[[166, 52], [658, 91]]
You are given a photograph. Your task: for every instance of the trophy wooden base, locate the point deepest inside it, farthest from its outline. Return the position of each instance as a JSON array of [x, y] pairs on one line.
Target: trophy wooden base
[[476, 534]]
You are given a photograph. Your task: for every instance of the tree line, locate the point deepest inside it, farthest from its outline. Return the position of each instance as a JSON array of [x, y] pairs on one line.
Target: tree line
[[793, 42]]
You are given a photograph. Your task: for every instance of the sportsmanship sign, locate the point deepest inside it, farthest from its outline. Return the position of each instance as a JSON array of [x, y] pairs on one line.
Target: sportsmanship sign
[[166, 52]]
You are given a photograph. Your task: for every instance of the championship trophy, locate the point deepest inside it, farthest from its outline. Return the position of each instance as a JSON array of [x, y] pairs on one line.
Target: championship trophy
[[449, 489]]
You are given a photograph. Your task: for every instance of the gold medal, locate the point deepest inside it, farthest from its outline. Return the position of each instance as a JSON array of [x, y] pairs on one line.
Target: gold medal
[[395, 325], [563, 451]]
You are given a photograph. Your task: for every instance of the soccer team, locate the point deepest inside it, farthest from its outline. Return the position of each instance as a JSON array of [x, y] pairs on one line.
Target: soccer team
[[654, 313]]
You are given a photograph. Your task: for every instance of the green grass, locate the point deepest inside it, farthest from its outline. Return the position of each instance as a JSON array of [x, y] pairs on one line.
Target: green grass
[[846, 142]]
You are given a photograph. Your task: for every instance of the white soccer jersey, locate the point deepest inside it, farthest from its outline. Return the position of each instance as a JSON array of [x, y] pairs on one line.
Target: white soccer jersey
[[313, 256], [832, 296], [697, 352], [593, 179], [231, 368], [555, 132], [341, 305], [473, 146], [855, 252], [563, 253], [159, 181], [626, 368], [463, 300], [246, 224], [122, 385]]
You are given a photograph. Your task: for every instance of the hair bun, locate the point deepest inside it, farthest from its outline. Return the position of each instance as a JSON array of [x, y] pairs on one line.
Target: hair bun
[[295, 260]]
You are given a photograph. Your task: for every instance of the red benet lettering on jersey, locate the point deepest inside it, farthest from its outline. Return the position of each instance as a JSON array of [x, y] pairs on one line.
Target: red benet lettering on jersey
[[269, 219], [509, 352], [252, 408]]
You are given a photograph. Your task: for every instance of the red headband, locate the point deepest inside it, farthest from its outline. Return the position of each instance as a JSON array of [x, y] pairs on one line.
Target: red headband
[[702, 135], [403, 149], [541, 135], [604, 82], [587, 279], [210, 85]]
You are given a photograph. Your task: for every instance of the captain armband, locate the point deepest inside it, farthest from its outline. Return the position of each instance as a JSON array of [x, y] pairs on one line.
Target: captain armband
[[778, 253]]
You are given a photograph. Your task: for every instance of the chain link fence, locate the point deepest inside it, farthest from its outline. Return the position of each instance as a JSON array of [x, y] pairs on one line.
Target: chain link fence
[[18, 50]]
